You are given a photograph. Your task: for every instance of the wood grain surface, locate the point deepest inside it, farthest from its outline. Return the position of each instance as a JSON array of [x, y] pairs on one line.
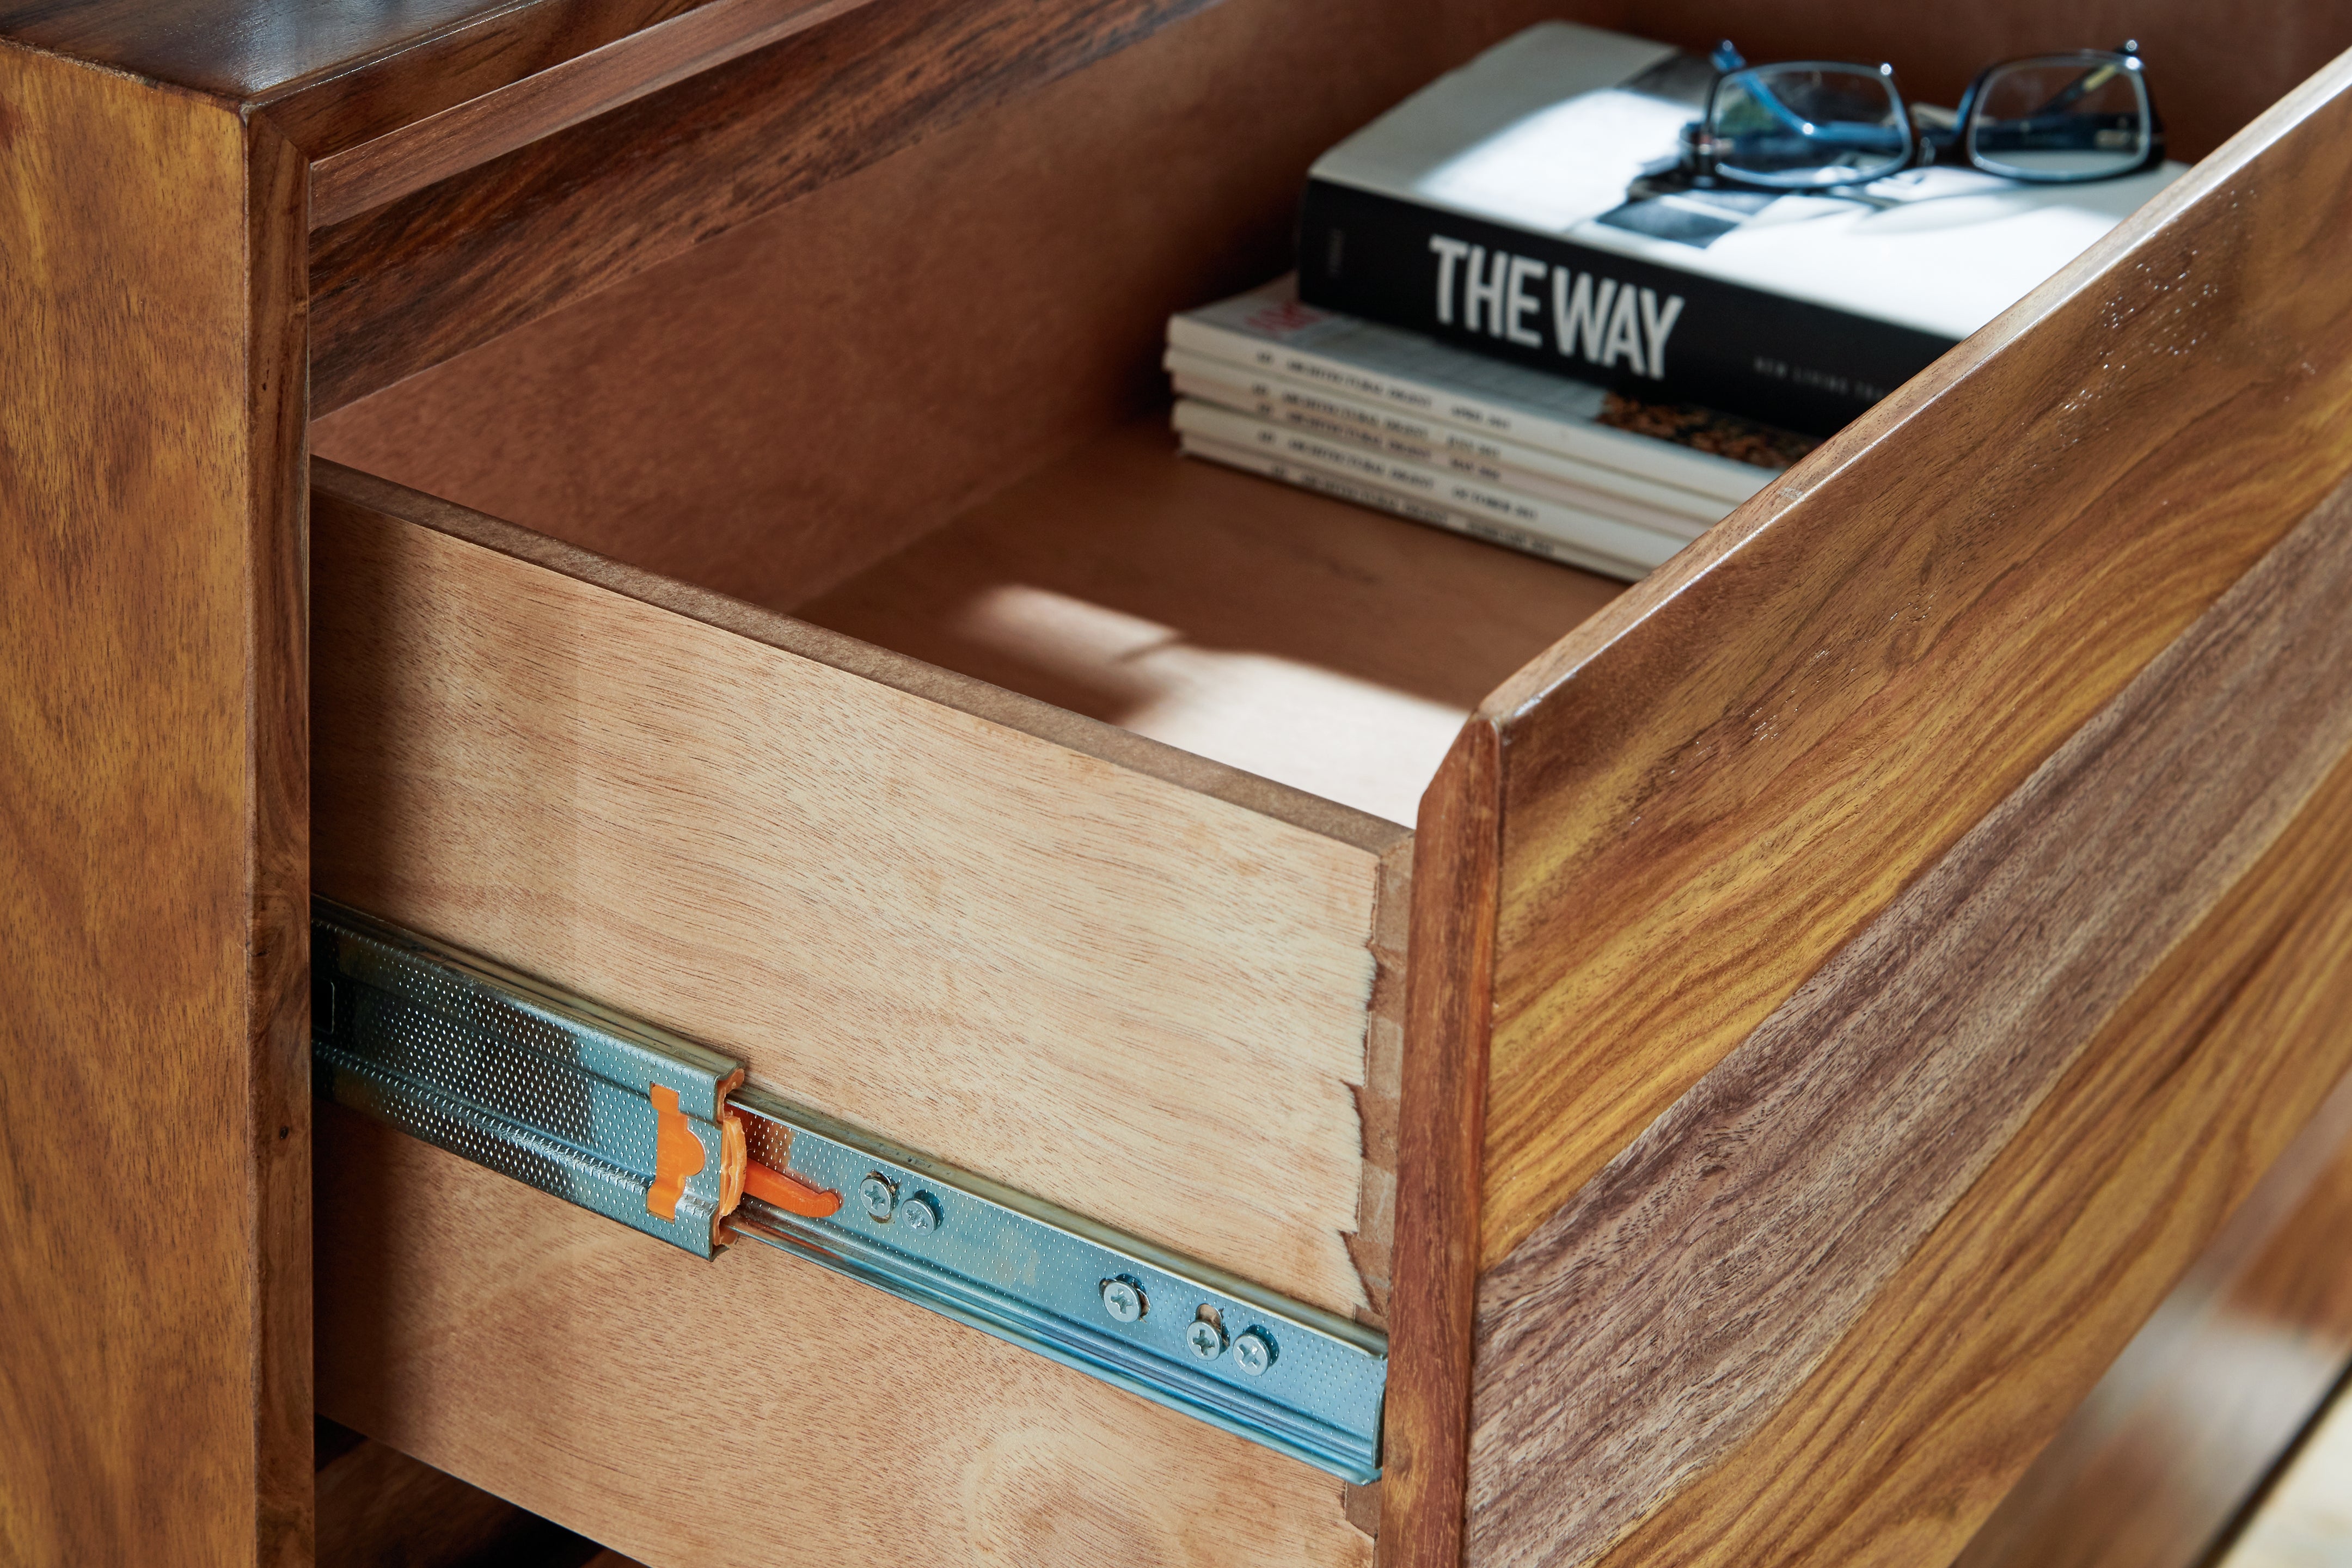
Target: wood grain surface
[[366, 87], [1099, 984], [455, 265], [1449, 1008], [1762, 1215], [1725, 776], [1718, 781], [407, 157], [1904, 1440], [154, 1267], [665, 397], [2213, 1394], [240, 51], [1167, 596], [354, 85], [753, 1412]]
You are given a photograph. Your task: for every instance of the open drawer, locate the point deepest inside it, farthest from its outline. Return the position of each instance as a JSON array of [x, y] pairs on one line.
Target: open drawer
[[1145, 985], [1833, 990]]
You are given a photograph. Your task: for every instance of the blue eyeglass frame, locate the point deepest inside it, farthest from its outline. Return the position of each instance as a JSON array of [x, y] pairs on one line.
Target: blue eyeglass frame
[[1921, 146]]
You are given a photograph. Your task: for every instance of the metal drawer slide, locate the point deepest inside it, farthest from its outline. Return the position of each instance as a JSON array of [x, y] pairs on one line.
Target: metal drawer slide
[[662, 1135]]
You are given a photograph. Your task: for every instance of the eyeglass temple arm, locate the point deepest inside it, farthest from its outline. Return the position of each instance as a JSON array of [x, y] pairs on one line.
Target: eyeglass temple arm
[[2090, 81], [1787, 115]]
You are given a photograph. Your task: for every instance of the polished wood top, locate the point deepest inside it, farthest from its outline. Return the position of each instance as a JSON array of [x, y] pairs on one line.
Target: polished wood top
[[384, 99], [252, 50]]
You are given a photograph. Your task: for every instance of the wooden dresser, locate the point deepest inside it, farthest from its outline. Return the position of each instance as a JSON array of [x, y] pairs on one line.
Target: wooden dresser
[[1816, 1057]]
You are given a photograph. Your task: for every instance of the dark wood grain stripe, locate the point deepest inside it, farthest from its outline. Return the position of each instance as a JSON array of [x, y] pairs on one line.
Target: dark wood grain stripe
[[1668, 1308], [1974, 1352], [427, 277], [363, 81]]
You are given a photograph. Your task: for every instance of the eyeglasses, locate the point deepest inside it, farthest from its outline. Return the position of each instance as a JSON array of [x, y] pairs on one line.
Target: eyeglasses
[[1807, 125]]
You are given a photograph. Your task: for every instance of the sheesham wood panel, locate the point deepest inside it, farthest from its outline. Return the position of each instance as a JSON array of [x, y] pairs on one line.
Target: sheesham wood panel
[[1720, 778], [1903, 1441], [354, 89], [1677, 1303], [1903, 661], [1449, 1007], [424, 278], [559, 94], [154, 1267], [383, 57], [2214, 1391], [1130, 981], [753, 1412]]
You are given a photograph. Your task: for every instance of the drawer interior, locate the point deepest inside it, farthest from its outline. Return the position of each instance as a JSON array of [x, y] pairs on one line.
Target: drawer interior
[[953, 354], [976, 487], [1298, 637]]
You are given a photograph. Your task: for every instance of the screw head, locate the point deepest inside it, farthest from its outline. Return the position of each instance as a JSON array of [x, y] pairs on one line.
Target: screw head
[[920, 1212], [879, 1196], [1254, 1353], [1204, 1340], [1123, 1299]]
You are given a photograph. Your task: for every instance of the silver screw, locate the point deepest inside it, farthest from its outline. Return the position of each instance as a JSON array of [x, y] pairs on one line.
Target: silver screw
[[879, 1196], [1205, 1339], [920, 1212], [1254, 1353], [1123, 1299]]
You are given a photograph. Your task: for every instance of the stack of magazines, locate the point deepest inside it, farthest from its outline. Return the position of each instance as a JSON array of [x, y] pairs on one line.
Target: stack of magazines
[[1390, 419]]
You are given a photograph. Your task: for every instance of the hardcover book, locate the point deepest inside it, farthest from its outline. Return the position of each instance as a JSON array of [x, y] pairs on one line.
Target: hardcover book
[[1491, 211]]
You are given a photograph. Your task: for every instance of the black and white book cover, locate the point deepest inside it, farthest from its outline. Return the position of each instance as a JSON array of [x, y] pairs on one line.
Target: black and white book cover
[[1491, 210]]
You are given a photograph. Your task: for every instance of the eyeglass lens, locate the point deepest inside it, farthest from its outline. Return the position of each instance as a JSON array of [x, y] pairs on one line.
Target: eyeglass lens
[[1808, 125], [2063, 118]]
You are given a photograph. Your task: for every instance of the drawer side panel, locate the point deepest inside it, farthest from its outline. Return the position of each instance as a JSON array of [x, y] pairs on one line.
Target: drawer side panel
[[755, 1410], [1139, 1001]]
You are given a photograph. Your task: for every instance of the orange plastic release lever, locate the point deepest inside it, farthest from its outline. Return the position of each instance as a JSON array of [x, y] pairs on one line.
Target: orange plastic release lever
[[788, 1192], [741, 1174]]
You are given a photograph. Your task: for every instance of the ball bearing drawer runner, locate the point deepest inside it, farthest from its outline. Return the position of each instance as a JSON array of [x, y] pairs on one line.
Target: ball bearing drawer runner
[[658, 1133]]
